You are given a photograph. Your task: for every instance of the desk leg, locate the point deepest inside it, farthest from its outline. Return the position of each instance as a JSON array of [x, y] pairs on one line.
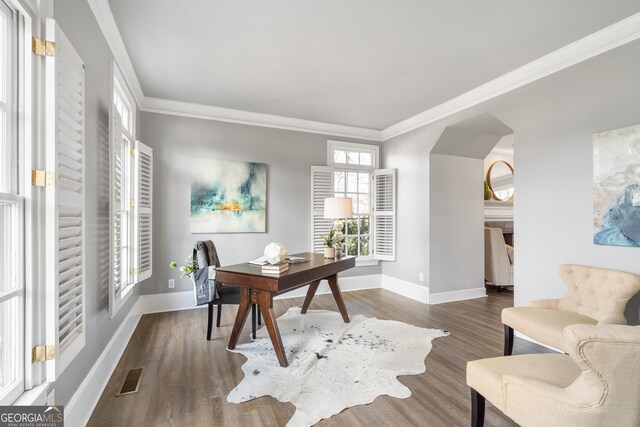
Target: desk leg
[[272, 327], [335, 290], [313, 287], [241, 317]]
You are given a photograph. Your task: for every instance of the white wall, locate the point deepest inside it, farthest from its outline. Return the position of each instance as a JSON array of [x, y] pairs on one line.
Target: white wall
[[456, 217]]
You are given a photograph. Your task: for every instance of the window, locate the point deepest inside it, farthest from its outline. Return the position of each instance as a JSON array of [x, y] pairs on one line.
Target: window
[[12, 284], [352, 177], [130, 199], [352, 172]]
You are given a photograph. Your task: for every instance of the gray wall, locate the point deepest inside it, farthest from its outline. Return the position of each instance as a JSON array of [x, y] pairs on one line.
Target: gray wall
[[553, 122], [456, 211], [409, 154], [289, 156], [78, 23]]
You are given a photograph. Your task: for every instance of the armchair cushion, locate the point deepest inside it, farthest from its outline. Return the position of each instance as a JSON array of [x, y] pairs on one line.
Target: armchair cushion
[[545, 303], [543, 324]]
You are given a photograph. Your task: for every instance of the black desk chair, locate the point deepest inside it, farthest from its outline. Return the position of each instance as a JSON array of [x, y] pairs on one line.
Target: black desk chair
[[204, 256], [230, 294]]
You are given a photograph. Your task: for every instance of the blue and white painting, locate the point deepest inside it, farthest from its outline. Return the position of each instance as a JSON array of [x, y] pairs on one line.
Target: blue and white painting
[[616, 187], [228, 196]]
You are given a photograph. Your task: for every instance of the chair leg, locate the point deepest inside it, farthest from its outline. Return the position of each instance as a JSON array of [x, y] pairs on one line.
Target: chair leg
[[210, 322], [253, 321], [508, 340], [219, 315], [259, 315], [477, 409]]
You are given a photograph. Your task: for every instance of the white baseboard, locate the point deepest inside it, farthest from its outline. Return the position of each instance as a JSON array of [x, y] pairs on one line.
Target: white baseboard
[[170, 301], [406, 289], [79, 409], [442, 297]]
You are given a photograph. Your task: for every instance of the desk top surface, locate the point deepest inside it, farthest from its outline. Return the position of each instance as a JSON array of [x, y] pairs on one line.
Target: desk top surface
[[318, 267], [315, 260]]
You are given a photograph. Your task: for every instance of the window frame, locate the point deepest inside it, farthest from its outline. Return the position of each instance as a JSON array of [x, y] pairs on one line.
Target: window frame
[[20, 114], [120, 89], [374, 150]]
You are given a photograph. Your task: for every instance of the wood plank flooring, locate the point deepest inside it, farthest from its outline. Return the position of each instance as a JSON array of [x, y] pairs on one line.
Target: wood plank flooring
[[186, 378]]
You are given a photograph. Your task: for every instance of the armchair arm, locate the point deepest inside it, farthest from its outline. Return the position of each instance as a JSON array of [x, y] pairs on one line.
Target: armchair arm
[[545, 303], [574, 335], [536, 389]]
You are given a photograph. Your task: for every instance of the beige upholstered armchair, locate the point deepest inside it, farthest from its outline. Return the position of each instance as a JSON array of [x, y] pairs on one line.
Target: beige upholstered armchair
[[597, 384], [498, 259], [595, 296]]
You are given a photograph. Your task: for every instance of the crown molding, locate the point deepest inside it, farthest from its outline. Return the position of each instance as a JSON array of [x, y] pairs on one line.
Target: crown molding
[[107, 23], [609, 38], [209, 112]]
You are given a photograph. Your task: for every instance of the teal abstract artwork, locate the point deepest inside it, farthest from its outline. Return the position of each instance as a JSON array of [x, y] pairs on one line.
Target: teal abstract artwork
[[228, 196]]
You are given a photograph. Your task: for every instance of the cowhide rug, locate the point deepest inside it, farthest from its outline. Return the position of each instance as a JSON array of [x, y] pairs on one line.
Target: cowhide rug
[[332, 365]]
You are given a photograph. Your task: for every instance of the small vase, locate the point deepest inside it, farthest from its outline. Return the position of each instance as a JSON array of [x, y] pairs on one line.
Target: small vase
[[330, 253]]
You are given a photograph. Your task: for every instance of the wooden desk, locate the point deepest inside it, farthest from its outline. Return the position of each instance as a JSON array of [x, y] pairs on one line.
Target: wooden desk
[[258, 288]]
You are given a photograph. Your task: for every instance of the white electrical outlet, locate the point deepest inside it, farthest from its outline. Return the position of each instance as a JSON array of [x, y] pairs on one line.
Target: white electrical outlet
[[172, 283], [421, 277]]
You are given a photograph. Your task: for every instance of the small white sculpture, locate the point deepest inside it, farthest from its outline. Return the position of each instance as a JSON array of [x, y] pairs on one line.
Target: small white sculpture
[[275, 253]]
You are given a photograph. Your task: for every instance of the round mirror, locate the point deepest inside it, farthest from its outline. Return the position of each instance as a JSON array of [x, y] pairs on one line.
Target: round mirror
[[500, 180]]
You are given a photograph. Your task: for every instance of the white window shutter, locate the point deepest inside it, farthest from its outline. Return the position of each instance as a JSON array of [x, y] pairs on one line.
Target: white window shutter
[[384, 224], [143, 212], [118, 157], [321, 188], [65, 201]]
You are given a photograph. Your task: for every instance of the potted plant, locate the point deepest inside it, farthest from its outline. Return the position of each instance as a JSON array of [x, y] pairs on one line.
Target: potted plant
[[488, 194], [333, 241], [186, 270]]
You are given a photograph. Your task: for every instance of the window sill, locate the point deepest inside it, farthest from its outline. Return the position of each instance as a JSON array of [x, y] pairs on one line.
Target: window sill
[[35, 396], [366, 262]]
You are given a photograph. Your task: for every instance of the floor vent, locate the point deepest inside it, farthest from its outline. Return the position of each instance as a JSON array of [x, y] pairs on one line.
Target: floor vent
[[131, 382]]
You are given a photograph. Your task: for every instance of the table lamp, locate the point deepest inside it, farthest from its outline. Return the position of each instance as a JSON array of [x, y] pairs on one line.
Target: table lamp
[[337, 208]]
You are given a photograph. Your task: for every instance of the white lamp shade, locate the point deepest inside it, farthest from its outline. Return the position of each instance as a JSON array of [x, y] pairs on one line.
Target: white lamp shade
[[337, 208]]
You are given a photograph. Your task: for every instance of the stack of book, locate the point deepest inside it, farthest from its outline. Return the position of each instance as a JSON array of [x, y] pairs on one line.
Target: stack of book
[[275, 269]]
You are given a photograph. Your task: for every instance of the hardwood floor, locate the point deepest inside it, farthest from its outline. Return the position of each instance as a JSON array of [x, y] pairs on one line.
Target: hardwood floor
[[186, 378]]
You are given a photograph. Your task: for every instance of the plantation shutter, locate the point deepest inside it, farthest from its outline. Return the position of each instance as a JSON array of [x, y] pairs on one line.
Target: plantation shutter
[[65, 209], [384, 225], [118, 277], [321, 188], [143, 211]]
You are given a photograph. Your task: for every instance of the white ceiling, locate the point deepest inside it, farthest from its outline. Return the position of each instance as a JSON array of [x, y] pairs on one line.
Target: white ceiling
[[365, 63]]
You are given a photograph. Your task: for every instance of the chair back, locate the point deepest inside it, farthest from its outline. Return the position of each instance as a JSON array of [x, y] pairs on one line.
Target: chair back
[[206, 257], [607, 390], [497, 267], [599, 293]]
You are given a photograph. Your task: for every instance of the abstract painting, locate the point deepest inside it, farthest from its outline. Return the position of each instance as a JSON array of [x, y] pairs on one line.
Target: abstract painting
[[228, 196], [616, 187]]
